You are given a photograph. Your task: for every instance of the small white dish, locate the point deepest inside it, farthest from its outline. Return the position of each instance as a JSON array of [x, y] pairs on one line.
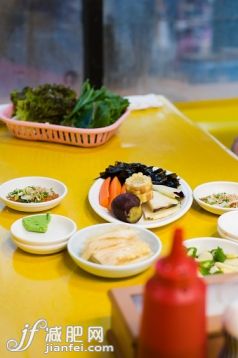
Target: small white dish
[[215, 187], [224, 236], [227, 225], [41, 250], [20, 183], [209, 243], [186, 202], [77, 243], [60, 230]]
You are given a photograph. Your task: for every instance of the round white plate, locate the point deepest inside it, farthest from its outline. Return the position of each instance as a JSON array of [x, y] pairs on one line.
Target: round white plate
[[186, 203], [60, 229], [215, 187], [41, 250], [20, 183], [77, 242]]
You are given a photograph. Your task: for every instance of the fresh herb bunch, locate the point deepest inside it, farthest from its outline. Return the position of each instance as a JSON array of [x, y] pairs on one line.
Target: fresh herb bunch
[[96, 108], [45, 103], [57, 104], [158, 176]]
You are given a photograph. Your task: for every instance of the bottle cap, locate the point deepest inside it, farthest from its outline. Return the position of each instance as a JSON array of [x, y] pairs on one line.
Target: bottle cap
[[177, 266]]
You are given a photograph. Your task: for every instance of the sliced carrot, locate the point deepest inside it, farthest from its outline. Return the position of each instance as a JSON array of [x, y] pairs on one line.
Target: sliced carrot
[[104, 193], [123, 189], [114, 190]]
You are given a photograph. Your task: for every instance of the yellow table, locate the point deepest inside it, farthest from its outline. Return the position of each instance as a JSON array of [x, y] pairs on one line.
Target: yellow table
[[219, 117], [53, 287]]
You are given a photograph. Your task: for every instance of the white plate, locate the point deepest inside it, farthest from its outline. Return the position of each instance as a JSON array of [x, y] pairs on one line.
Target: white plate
[[215, 187], [186, 203], [41, 250], [77, 242], [60, 229], [20, 183]]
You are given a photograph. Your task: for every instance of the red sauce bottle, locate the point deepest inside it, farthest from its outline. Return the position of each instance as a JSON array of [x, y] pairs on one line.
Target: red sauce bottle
[[174, 320]]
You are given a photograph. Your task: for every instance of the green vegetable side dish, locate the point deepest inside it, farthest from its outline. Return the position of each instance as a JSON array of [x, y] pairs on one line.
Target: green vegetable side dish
[[214, 262], [37, 223], [46, 103], [57, 104], [32, 194], [222, 200]]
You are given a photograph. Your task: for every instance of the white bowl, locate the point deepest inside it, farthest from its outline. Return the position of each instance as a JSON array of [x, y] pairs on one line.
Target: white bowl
[[224, 236], [77, 242], [20, 183], [60, 230], [227, 225], [210, 243], [215, 187], [41, 250]]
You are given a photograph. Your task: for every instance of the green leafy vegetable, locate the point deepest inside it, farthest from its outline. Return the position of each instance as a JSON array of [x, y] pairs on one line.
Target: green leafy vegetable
[[218, 255], [205, 267], [57, 104], [192, 252], [45, 103], [95, 108]]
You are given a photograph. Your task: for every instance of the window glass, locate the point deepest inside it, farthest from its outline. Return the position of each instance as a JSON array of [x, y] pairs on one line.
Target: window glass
[[185, 49], [41, 42]]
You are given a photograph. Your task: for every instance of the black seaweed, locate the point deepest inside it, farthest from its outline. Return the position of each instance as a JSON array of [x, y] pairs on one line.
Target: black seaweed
[[125, 170]]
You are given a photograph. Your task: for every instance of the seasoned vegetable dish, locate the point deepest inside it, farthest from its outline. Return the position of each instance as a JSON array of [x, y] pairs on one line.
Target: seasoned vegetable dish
[[215, 261], [223, 200], [32, 194]]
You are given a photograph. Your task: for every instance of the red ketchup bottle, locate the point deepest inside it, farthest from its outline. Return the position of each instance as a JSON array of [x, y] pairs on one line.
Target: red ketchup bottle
[[174, 320]]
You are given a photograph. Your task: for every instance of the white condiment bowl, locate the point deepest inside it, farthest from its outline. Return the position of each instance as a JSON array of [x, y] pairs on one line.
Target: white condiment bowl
[[227, 225], [60, 229], [209, 243], [20, 183], [215, 187], [77, 243], [41, 250]]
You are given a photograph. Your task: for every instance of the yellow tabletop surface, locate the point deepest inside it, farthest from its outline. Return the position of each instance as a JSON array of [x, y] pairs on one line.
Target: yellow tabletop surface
[[52, 287], [219, 117]]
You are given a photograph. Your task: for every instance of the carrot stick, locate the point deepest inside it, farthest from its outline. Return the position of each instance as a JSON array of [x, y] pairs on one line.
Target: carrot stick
[[123, 189], [104, 193], [114, 190]]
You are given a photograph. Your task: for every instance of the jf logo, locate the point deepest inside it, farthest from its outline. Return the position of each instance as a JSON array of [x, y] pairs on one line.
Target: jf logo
[[27, 337]]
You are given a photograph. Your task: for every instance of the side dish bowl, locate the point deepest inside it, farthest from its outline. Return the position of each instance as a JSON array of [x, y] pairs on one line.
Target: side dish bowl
[[210, 243], [215, 187], [59, 231], [227, 225], [20, 183], [41, 250], [77, 242]]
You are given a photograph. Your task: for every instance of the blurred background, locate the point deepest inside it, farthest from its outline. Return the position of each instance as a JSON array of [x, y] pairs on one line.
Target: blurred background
[[184, 49]]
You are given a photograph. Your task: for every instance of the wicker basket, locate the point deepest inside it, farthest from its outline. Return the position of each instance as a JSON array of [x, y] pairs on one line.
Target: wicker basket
[[59, 134]]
